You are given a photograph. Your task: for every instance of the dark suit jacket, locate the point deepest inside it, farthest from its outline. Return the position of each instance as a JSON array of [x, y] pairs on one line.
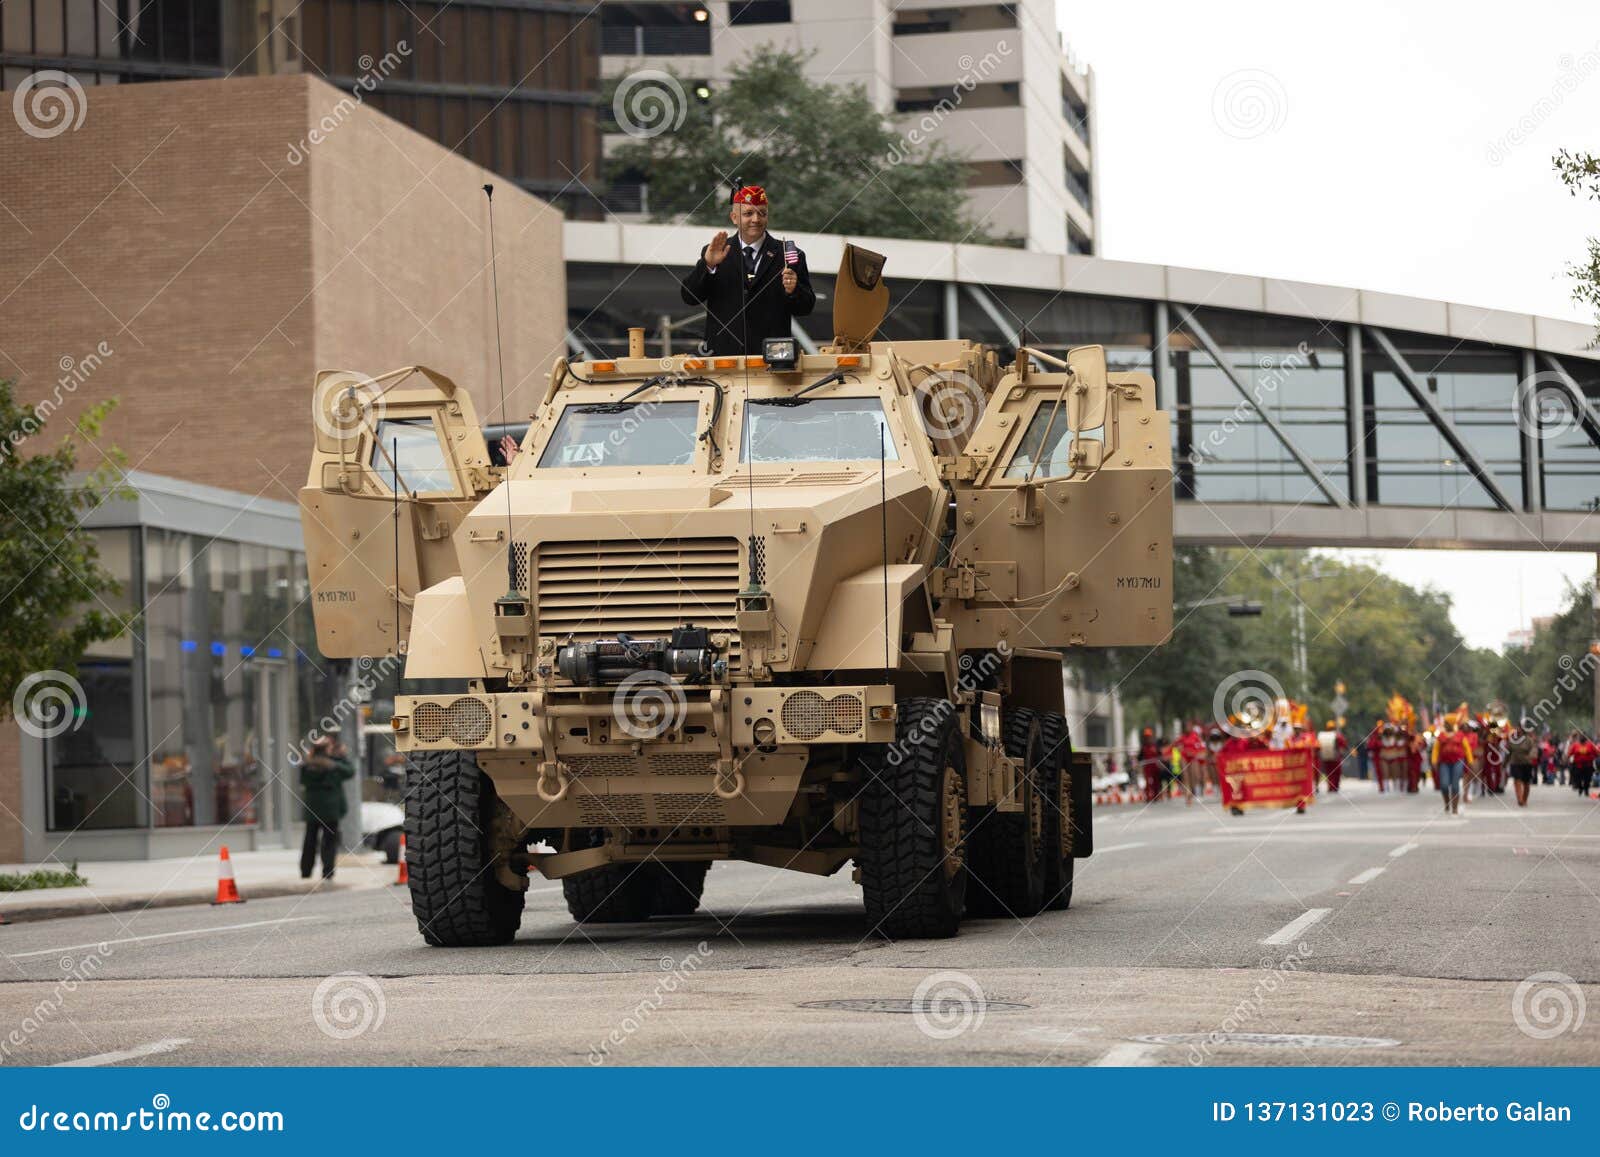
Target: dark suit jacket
[[739, 317]]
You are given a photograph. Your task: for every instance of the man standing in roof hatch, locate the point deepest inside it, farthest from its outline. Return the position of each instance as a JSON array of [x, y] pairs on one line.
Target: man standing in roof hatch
[[752, 285]]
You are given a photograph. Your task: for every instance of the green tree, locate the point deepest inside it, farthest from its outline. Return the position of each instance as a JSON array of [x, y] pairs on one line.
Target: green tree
[[1375, 634], [51, 579], [1557, 684], [831, 161], [1580, 173]]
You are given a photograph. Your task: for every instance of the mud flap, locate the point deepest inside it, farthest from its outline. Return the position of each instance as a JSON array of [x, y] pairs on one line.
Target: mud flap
[[1081, 793]]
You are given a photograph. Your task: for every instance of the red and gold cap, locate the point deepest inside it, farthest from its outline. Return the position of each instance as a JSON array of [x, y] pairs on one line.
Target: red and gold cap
[[750, 195]]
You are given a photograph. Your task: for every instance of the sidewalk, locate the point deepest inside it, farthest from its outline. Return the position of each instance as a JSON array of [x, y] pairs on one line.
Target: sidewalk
[[126, 885]]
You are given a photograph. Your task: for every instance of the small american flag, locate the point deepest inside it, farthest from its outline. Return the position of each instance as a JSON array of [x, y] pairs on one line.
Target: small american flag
[[791, 255]]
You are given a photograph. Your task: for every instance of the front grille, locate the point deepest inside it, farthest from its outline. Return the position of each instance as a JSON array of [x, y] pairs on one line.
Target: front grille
[[464, 722], [666, 763], [600, 589]]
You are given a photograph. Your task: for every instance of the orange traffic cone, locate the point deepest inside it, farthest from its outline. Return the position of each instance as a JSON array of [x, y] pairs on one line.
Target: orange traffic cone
[[405, 873], [227, 890]]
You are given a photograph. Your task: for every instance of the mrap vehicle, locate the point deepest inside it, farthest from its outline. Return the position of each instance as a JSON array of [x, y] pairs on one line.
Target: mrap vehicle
[[797, 609]]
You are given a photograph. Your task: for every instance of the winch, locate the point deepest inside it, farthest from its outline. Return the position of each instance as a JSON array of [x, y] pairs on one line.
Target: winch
[[688, 654]]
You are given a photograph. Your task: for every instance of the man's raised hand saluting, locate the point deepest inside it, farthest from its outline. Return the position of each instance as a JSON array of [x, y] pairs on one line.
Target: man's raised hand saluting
[[717, 250]]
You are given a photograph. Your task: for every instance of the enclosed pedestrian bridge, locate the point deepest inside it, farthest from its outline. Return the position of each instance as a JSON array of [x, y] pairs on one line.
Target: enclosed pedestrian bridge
[[1302, 415]]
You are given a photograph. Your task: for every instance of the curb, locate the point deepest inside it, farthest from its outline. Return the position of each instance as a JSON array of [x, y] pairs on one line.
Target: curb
[[129, 903]]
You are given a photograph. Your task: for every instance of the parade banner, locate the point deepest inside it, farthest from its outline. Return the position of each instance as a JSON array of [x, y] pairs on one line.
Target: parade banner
[[1264, 778]]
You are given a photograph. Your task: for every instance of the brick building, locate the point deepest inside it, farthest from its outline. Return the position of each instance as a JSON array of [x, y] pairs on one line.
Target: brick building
[[199, 250]]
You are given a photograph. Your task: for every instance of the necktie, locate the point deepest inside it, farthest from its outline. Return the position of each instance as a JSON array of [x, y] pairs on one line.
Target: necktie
[[749, 260]]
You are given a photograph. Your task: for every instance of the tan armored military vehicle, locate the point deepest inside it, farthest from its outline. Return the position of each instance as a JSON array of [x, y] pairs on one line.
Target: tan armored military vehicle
[[797, 609]]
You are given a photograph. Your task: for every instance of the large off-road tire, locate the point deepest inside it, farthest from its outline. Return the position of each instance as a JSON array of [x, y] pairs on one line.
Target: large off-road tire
[[611, 894], [455, 895], [914, 826], [678, 887], [1008, 850], [1056, 764]]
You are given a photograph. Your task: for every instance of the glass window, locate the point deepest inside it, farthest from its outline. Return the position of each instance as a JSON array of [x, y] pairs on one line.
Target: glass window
[[414, 445], [824, 430], [1053, 459], [612, 434], [96, 771], [1289, 369]]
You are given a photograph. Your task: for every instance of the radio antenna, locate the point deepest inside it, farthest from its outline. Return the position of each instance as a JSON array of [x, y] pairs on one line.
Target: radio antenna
[[394, 461], [499, 357]]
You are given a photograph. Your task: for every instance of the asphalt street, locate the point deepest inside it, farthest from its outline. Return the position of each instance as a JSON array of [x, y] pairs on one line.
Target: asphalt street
[[1372, 930]]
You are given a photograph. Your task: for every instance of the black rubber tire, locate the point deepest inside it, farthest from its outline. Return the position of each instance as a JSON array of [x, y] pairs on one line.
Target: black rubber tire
[[455, 896], [1008, 849], [612, 894], [1057, 758], [911, 888], [390, 847], [679, 886]]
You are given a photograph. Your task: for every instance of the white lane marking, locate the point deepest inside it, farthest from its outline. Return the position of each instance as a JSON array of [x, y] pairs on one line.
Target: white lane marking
[[163, 936], [1132, 1054], [1402, 850], [1296, 926], [1368, 876], [133, 1054], [1119, 847]]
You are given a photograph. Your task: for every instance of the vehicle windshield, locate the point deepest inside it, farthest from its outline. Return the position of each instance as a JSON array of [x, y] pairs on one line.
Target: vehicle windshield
[[414, 445], [1052, 458], [824, 430], [632, 434]]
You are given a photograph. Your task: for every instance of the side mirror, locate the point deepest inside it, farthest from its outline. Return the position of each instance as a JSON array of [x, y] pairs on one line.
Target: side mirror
[[1087, 397]]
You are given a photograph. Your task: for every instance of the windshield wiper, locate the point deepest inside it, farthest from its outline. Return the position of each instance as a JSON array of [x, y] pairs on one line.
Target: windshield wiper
[[621, 404], [800, 399]]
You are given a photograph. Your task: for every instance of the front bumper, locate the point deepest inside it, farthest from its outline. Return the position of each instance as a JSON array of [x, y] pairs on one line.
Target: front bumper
[[594, 721]]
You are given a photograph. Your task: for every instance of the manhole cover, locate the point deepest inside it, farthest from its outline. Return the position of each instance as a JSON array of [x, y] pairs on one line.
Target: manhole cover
[[1269, 1040], [909, 1005]]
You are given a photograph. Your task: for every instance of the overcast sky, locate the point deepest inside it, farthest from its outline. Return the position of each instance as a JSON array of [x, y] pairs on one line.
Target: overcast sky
[[1402, 147]]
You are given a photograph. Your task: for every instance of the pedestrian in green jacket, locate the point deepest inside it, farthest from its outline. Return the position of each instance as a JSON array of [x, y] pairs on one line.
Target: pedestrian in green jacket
[[322, 778]]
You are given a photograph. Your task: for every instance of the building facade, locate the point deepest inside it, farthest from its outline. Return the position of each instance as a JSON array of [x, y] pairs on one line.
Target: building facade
[[990, 81], [509, 84], [198, 251]]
